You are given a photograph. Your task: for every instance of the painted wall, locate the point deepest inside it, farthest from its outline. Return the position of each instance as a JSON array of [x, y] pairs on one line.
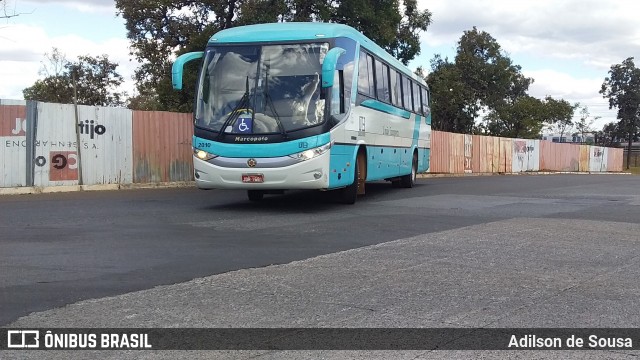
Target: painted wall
[[13, 140], [105, 145], [526, 155], [38, 147], [490, 154]]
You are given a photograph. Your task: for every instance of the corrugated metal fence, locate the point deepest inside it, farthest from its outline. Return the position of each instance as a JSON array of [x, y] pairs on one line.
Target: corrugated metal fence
[[162, 147], [489, 154], [39, 147]]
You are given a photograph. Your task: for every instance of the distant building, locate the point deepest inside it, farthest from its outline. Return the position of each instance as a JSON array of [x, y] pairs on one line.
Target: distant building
[[575, 138]]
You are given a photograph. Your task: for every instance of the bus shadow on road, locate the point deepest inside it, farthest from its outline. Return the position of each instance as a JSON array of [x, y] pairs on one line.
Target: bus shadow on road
[[311, 201]]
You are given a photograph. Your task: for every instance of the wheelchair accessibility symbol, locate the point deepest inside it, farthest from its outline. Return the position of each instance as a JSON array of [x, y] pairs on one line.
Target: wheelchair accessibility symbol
[[244, 126]]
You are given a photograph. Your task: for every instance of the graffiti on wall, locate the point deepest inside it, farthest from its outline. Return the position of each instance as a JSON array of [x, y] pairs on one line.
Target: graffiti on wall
[[525, 155]]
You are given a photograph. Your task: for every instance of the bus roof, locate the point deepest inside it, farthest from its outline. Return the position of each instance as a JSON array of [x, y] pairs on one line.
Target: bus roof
[[293, 31]]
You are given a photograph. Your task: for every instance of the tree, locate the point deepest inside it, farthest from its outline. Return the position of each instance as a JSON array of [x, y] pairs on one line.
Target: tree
[[487, 70], [622, 88], [559, 114], [584, 126], [453, 105], [5, 12], [95, 78], [482, 79], [522, 119], [161, 29], [609, 135]]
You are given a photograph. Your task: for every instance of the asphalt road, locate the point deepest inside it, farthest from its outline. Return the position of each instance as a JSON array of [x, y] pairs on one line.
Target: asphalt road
[[566, 230]]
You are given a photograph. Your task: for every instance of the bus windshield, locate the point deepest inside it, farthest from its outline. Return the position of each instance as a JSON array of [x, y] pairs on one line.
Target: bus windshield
[[252, 89]]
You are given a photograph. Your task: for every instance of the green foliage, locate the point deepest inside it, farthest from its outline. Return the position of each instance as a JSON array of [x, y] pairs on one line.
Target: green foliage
[[622, 88], [483, 79], [487, 70], [94, 78], [584, 126], [453, 104], [161, 29], [559, 113], [609, 135], [520, 119]]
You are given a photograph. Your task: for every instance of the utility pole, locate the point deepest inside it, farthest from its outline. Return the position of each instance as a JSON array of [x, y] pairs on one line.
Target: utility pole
[[77, 126]]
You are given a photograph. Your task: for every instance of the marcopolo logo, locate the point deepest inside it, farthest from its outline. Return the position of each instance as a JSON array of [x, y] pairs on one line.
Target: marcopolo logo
[[91, 128]]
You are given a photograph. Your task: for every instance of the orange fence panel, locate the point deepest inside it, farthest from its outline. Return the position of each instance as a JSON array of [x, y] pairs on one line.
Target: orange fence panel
[[162, 149], [584, 158], [615, 159]]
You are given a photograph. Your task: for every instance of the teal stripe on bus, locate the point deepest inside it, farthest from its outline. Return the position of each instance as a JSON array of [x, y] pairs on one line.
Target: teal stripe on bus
[[260, 150], [384, 107], [416, 131]]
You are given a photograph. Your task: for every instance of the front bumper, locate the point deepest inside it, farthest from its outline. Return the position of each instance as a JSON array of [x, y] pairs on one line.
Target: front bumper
[[310, 174]]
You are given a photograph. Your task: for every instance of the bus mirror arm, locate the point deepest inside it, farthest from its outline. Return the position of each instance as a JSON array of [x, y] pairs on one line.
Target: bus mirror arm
[[329, 65], [178, 67], [336, 119]]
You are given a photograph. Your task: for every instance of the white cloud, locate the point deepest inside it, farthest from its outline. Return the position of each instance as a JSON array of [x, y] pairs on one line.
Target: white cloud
[[590, 33], [574, 90], [580, 29], [22, 49], [86, 6]]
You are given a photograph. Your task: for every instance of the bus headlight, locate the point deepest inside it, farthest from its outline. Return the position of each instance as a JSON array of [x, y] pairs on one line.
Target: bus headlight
[[203, 155], [311, 153]]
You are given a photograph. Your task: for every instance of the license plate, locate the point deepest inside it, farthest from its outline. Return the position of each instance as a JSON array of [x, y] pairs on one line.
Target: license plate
[[252, 178]]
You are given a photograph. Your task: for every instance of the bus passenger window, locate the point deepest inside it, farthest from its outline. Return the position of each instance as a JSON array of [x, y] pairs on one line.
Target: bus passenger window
[[382, 81], [396, 93], [416, 98], [365, 75], [406, 92], [425, 101]]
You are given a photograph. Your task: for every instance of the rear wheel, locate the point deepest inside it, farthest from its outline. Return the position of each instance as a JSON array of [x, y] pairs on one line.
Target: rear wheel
[[408, 181], [255, 195]]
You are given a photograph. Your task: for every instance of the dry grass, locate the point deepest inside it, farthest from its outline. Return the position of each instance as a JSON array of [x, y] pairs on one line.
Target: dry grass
[[633, 170]]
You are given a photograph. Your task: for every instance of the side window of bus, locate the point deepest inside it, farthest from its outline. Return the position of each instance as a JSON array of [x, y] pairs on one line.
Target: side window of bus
[[416, 98], [396, 92], [406, 92], [425, 100], [365, 75], [382, 81]]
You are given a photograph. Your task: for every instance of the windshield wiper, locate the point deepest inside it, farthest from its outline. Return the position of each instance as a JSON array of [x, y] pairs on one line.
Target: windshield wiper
[[235, 113], [269, 102]]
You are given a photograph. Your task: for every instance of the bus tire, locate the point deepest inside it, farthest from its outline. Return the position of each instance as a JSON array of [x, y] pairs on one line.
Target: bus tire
[[349, 194], [408, 181], [255, 195]]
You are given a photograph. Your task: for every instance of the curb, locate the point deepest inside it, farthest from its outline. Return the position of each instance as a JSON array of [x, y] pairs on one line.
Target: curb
[[104, 187], [529, 173]]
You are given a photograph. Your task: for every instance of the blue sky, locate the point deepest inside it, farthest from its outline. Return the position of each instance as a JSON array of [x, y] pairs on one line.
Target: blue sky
[[566, 46]]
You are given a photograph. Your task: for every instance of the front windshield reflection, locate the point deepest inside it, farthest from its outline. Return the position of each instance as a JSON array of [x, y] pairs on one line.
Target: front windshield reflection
[[259, 90]]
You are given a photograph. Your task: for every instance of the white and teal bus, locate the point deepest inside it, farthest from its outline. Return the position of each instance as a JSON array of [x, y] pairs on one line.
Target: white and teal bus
[[305, 106]]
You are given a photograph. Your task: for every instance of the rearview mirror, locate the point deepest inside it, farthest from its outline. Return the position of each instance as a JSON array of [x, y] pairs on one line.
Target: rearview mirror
[[178, 67], [329, 65]]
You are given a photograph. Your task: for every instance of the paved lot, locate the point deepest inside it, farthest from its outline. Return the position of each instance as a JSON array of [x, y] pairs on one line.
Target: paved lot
[[513, 251]]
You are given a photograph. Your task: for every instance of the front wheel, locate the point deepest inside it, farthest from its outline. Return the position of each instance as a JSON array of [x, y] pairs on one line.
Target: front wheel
[[408, 181], [349, 195], [255, 195]]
